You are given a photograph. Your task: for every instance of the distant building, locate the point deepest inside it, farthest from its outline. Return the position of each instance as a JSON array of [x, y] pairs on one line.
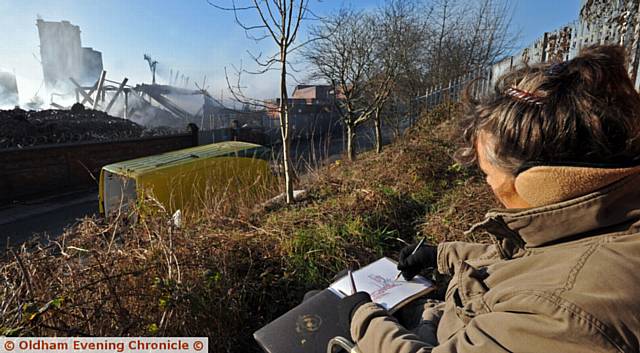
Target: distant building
[[311, 110], [63, 56], [314, 94], [8, 90]]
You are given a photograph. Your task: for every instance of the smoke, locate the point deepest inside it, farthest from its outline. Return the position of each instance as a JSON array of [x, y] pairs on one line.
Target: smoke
[[146, 114], [8, 90], [7, 99]]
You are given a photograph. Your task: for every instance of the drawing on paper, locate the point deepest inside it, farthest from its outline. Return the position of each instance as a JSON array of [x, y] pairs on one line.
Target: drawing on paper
[[383, 284]]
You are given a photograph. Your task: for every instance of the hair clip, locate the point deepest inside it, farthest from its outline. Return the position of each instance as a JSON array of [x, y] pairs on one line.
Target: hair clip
[[524, 96]]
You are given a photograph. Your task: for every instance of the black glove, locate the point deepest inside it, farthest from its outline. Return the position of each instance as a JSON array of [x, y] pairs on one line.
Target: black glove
[[348, 305], [410, 265]]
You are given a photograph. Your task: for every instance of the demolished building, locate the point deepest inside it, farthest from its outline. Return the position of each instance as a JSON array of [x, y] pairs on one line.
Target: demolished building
[[63, 56], [76, 73]]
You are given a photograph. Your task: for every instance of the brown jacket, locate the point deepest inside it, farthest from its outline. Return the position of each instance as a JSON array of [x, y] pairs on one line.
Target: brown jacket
[[559, 278]]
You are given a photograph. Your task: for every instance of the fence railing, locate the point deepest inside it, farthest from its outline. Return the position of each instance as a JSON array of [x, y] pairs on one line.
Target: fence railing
[[479, 82], [599, 22]]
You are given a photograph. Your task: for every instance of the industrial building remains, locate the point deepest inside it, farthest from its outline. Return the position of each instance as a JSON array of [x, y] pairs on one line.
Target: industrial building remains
[[75, 74], [63, 56]]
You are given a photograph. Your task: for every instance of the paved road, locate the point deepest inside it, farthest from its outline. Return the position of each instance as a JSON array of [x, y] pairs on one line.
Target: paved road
[[45, 216]]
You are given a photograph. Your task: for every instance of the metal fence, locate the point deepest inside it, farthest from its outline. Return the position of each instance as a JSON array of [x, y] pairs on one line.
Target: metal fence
[[479, 81], [599, 22]]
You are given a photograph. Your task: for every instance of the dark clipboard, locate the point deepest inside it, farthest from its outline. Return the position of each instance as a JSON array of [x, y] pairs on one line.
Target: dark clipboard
[[306, 328]]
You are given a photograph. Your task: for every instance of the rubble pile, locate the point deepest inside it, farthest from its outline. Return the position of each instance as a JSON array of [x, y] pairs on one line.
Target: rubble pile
[[20, 128]]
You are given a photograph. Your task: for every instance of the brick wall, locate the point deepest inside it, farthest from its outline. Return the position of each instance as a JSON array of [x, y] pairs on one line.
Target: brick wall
[[41, 170]]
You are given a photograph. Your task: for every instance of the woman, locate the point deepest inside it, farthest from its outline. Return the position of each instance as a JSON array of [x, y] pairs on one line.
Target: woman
[[560, 147]]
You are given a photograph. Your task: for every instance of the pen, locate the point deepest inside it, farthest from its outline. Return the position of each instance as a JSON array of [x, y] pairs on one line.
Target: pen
[[353, 283], [413, 252]]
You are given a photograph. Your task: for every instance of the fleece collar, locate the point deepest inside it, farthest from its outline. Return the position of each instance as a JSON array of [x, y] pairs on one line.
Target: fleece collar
[[615, 205], [546, 185]]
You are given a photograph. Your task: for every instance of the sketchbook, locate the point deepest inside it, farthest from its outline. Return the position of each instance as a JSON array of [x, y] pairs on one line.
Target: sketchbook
[[378, 279]]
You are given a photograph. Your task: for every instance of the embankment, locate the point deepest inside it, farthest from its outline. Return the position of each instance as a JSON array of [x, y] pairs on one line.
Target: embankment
[[233, 267]]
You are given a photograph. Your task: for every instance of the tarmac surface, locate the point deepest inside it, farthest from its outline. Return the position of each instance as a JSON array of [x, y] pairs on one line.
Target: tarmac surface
[[45, 216]]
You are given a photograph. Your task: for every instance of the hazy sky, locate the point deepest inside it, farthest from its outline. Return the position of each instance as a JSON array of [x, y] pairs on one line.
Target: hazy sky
[[186, 35]]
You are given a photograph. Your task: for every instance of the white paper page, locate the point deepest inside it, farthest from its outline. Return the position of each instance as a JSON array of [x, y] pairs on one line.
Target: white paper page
[[378, 279]]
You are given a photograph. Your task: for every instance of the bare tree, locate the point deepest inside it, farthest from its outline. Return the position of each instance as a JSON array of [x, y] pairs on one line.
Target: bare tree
[[444, 40], [466, 36], [280, 21], [345, 55], [408, 21], [444, 28], [398, 49], [489, 34]]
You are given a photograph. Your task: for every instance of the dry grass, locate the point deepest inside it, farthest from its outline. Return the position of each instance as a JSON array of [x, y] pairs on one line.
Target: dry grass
[[463, 205], [232, 269]]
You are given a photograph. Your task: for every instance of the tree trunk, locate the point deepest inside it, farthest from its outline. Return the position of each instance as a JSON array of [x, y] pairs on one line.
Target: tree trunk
[[286, 159], [378, 127], [351, 134], [284, 130]]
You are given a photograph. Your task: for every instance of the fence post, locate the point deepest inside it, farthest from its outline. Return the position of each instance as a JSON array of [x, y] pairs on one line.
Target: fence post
[[456, 86], [432, 91], [452, 93], [195, 135], [426, 97], [432, 98]]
